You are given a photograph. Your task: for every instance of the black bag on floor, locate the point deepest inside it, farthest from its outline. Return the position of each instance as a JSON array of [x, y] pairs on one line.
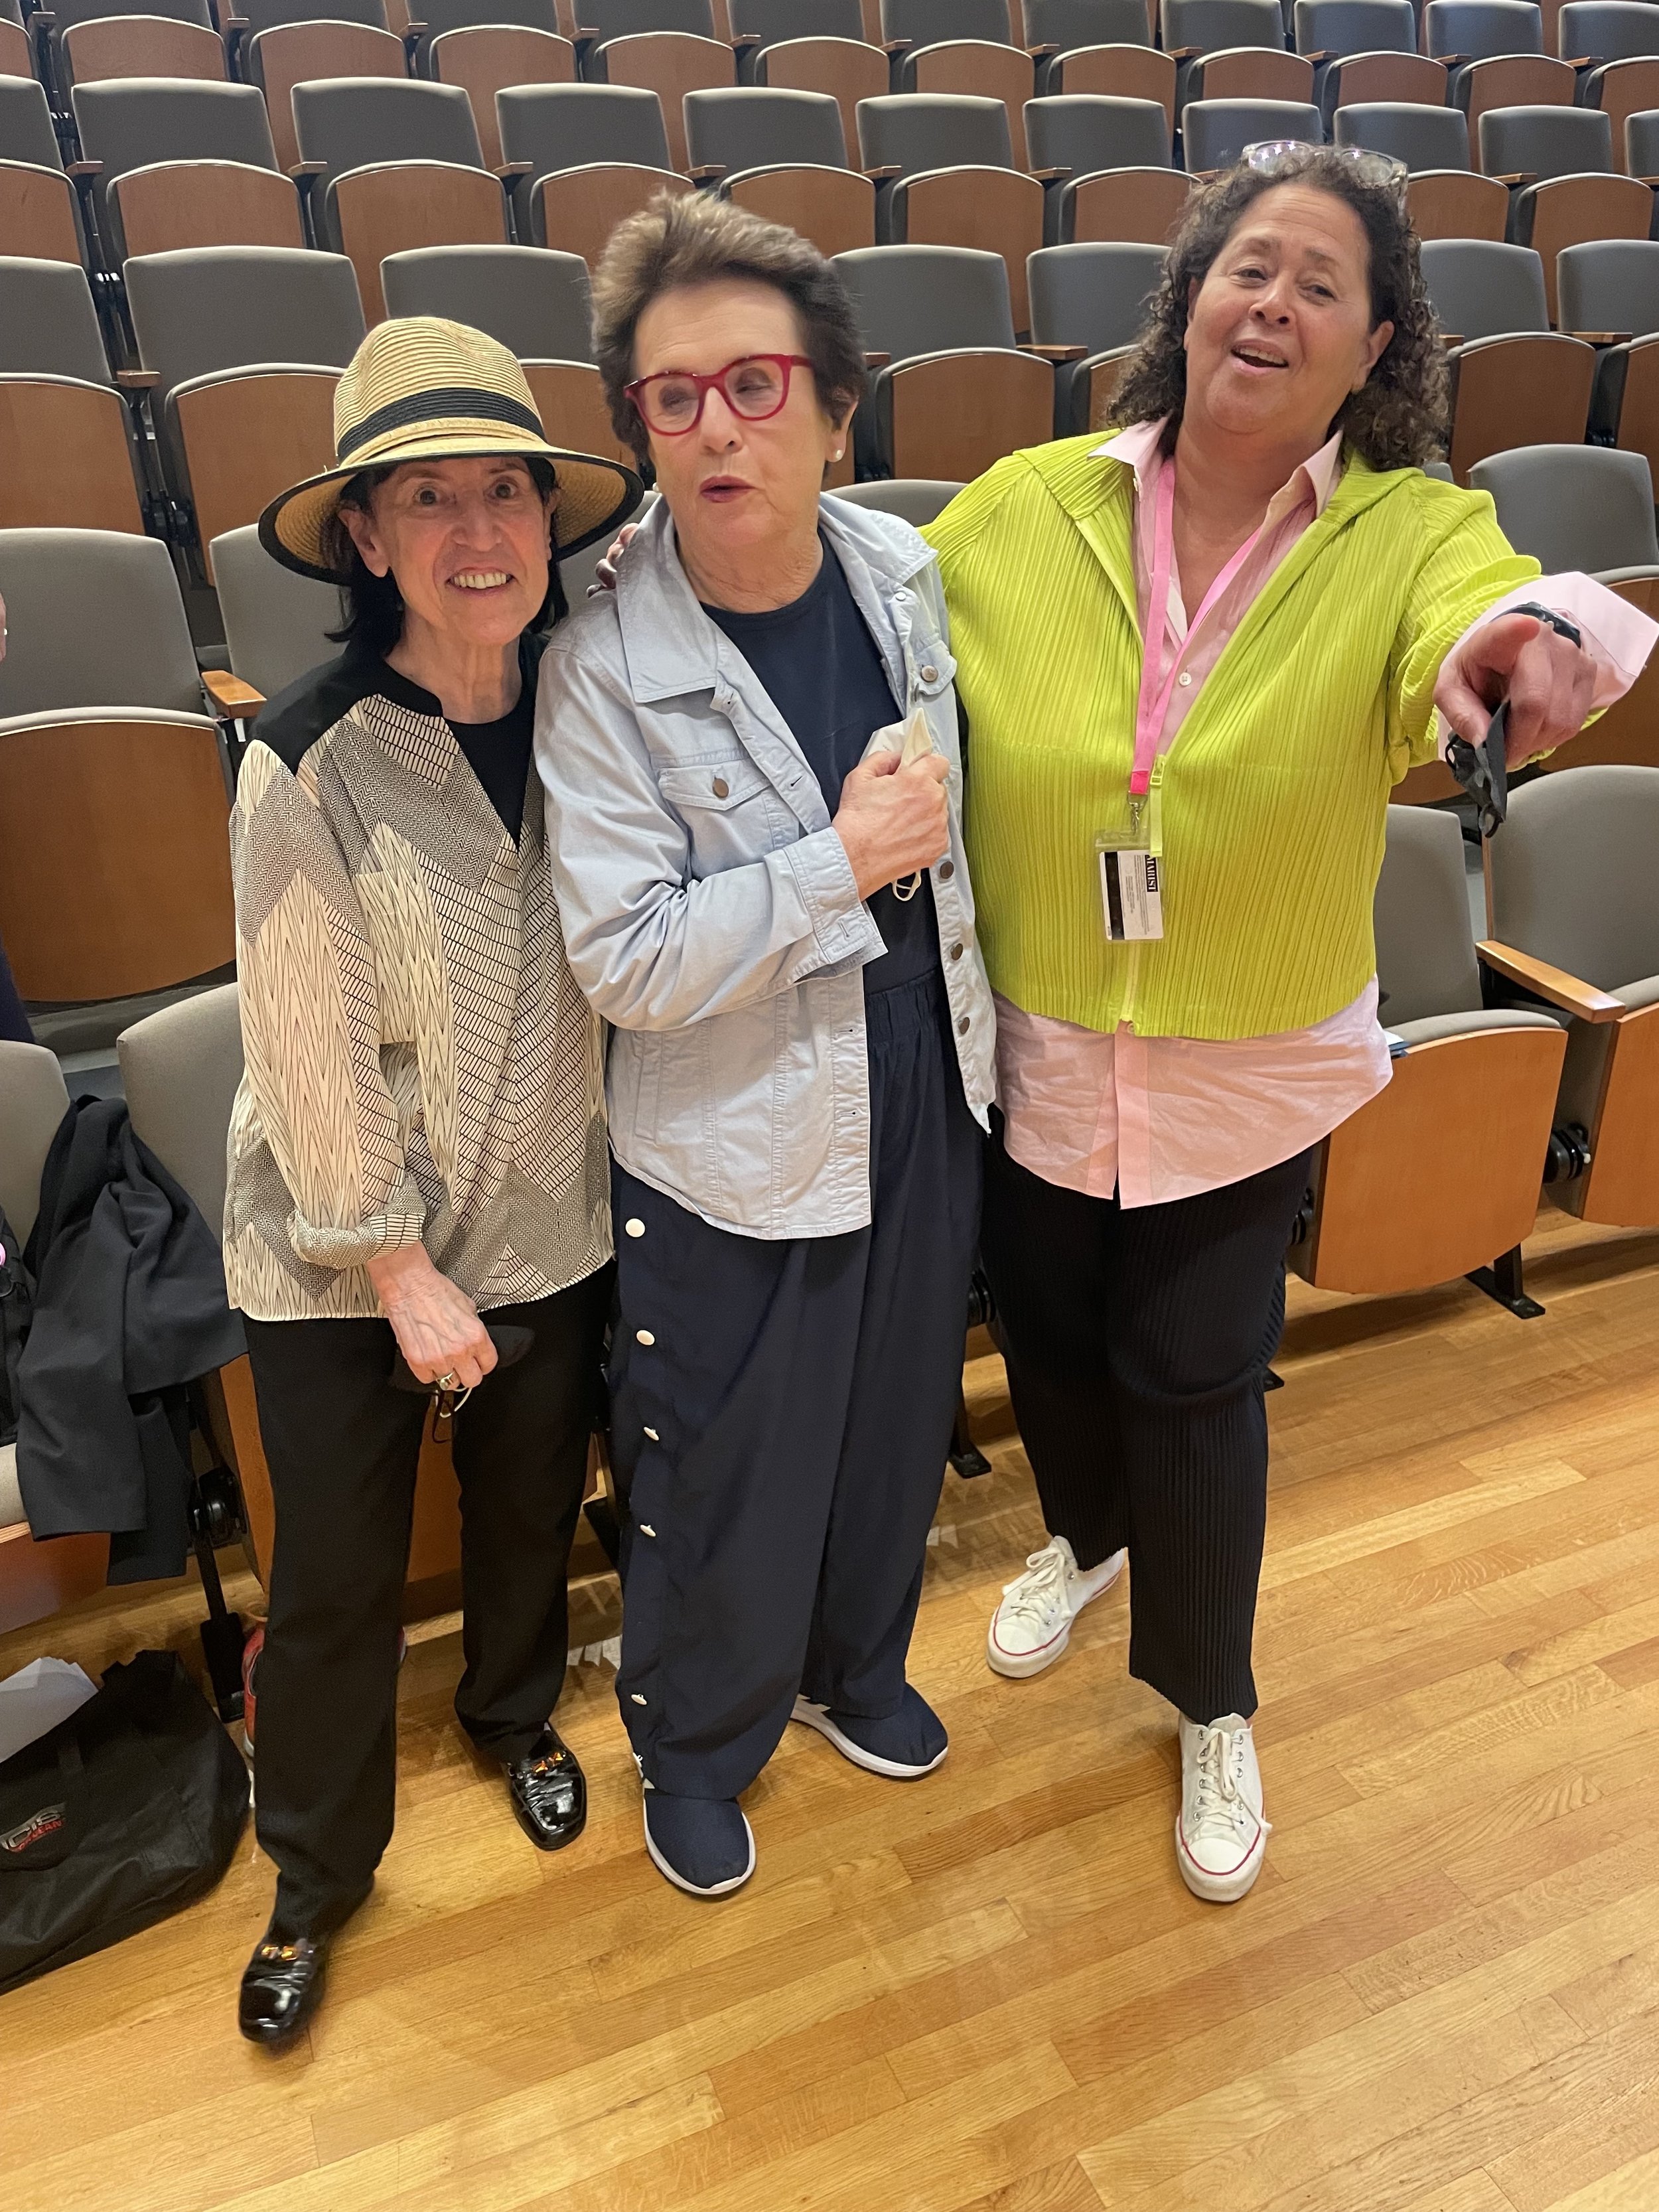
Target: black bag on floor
[[116, 1818]]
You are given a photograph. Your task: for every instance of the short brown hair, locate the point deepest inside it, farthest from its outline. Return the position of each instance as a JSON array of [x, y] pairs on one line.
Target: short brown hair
[[693, 237], [1400, 417]]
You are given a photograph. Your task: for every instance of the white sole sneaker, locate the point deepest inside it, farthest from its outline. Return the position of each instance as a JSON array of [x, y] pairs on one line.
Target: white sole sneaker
[[690, 1888], [817, 1716], [1020, 1666], [1221, 1888], [1221, 1792]]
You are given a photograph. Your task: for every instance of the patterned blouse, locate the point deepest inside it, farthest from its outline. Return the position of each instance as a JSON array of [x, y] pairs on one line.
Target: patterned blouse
[[420, 1065]]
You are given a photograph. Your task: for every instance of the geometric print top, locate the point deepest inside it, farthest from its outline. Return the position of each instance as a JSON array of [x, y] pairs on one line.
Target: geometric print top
[[419, 1065]]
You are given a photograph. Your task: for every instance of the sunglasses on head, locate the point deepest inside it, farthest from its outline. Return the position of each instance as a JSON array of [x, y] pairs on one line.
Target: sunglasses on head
[[1290, 156]]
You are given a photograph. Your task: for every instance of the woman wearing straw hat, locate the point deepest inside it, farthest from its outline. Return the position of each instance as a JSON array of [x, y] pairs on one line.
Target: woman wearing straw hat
[[418, 1184]]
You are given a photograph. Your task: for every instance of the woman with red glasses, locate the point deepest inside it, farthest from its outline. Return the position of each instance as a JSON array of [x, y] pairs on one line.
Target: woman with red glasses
[[754, 793]]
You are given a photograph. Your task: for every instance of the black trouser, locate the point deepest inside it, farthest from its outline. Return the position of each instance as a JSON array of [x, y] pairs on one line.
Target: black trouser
[[1138, 1341], [342, 1446], [780, 1439]]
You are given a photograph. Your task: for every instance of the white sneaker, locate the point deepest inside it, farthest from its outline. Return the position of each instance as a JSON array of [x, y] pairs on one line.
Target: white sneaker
[[1032, 1626], [1221, 1838]]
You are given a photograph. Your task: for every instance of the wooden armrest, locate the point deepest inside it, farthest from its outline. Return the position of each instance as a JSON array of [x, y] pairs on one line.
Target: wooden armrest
[[232, 22], [1652, 183], [1450, 60], [1600, 338], [1321, 54], [1450, 338], [306, 172], [230, 694], [412, 34], [892, 47], [877, 360], [707, 172], [45, 17], [1056, 353], [83, 168], [1051, 176], [1584, 61], [1552, 983], [1517, 177], [883, 176], [1185, 53], [137, 380], [1041, 53], [508, 170]]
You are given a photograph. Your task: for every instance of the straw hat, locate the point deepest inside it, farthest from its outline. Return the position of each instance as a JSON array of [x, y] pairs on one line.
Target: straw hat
[[422, 389]]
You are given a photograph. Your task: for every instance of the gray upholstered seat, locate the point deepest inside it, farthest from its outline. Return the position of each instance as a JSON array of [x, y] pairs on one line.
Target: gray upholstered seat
[[752, 126], [535, 303], [1483, 289], [1573, 507], [180, 1070], [916, 500], [1215, 132], [1422, 137]]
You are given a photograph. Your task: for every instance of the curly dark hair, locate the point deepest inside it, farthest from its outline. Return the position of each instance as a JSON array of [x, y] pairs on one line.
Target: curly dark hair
[[1401, 416], [695, 238]]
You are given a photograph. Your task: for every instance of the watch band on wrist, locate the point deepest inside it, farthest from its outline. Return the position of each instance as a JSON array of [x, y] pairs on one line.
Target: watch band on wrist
[[1559, 623]]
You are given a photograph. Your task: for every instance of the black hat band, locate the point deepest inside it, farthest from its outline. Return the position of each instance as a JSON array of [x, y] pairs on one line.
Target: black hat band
[[457, 402]]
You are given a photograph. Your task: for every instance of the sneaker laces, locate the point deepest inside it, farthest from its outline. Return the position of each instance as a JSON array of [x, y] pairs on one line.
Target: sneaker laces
[[1033, 1596], [1220, 1808]]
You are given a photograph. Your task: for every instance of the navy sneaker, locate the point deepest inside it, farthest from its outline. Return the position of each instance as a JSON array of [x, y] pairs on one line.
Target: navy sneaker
[[703, 1845], [909, 1742]]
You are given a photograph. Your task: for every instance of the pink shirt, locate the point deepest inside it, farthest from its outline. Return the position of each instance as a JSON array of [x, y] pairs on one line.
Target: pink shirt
[[1161, 1118]]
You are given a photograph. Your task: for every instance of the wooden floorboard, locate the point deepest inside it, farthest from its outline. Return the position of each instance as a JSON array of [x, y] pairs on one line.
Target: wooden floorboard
[[988, 1991]]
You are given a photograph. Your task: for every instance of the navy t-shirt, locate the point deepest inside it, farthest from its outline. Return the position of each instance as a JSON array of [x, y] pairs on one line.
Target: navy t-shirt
[[822, 671]]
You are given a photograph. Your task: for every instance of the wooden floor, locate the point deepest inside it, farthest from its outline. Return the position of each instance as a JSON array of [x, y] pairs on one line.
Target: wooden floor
[[988, 1991]]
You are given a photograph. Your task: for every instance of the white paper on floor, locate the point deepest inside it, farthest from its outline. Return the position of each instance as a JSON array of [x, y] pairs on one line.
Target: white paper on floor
[[37, 1698]]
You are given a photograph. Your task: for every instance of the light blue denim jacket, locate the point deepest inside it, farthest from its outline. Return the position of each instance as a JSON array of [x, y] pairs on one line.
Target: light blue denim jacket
[[709, 911]]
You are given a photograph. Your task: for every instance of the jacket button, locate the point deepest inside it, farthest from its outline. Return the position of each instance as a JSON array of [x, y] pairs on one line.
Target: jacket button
[[930, 674], [654, 1437], [636, 1698], [634, 1226], [722, 788], [955, 950], [946, 870], [961, 1026], [643, 1336], [646, 1529]]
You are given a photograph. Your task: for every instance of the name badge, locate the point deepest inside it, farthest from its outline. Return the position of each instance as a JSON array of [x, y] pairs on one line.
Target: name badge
[[1131, 859]]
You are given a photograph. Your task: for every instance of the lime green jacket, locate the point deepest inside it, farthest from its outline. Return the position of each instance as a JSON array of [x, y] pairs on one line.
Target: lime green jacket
[[1272, 796]]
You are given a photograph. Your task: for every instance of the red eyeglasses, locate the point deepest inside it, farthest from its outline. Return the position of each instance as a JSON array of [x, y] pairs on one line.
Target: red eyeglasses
[[670, 402]]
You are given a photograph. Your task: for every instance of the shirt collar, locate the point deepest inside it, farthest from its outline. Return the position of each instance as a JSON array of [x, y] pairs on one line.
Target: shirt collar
[[1140, 449]]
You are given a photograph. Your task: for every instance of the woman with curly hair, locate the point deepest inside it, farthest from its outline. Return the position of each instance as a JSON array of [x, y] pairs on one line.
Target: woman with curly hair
[[1174, 846]]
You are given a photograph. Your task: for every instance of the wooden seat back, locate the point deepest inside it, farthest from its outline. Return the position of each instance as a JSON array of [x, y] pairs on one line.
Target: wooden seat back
[[1120, 72], [1626, 89], [949, 418], [996, 210], [577, 210], [398, 205], [1574, 210], [15, 59], [848, 72], [835, 208], [1415, 79], [488, 57], [1139, 206], [1456, 204], [1627, 735], [246, 438], [1395, 1207], [982, 71], [65, 458], [114, 854], [1256, 73], [143, 46], [570, 400], [37, 213], [185, 204], [1532, 390], [1516, 80], [671, 63], [303, 53]]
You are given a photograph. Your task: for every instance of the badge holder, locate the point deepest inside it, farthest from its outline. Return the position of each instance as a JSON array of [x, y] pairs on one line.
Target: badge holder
[[1129, 852]]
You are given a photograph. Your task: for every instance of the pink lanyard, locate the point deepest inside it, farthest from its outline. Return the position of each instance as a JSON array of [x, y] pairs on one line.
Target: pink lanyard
[[1153, 708]]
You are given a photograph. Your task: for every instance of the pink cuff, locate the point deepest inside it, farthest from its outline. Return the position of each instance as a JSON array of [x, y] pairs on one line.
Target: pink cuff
[[1618, 636]]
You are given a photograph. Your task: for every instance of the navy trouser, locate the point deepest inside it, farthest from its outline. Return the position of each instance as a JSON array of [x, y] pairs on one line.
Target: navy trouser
[[781, 1442]]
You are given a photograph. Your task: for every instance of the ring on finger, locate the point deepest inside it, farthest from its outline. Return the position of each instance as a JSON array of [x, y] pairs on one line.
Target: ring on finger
[[449, 1380]]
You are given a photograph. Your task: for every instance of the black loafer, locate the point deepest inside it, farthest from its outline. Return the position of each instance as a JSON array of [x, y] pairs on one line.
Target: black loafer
[[282, 1987], [549, 1792]]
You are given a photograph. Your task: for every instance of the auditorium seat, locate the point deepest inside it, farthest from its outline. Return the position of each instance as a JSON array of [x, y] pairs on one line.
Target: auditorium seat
[[64, 15], [1078, 139], [585, 155], [909, 25], [69, 453], [16, 58], [1573, 507], [141, 45], [1611, 289], [1232, 49], [393, 166], [307, 53], [1495, 50], [39, 216], [1558, 162], [671, 63], [948, 178], [848, 70], [978, 70], [1054, 27], [1399, 1203], [954, 392], [536, 302], [180, 165], [1215, 132], [1571, 878], [114, 845], [1366, 50], [757, 23], [782, 155], [245, 345], [916, 500], [1094, 298], [1124, 72], [1514, 382], [485, 58], [276, 623], [1447, 199], [431, 20]]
